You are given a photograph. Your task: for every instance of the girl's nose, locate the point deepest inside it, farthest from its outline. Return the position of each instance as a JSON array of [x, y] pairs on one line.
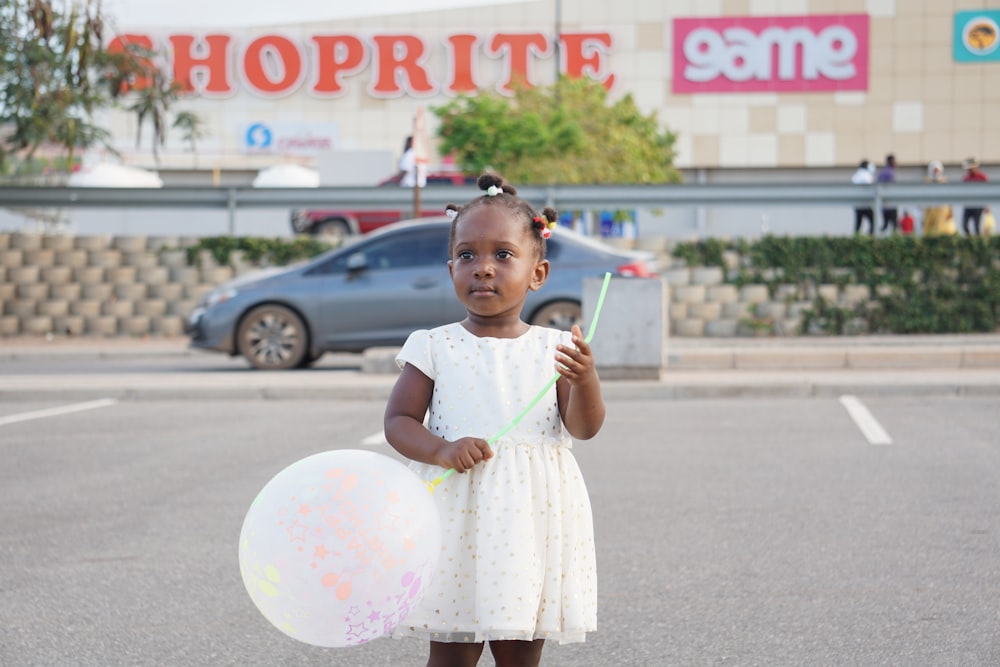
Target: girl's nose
[[484, 269]]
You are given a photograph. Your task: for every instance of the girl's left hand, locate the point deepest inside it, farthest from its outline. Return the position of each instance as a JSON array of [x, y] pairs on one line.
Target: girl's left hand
[[576, 364]]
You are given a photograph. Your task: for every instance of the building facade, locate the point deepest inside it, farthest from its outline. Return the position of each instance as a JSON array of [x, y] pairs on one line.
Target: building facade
[[745, 84]]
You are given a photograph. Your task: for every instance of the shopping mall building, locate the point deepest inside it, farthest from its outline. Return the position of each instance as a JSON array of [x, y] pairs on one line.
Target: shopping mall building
[[779, 90]]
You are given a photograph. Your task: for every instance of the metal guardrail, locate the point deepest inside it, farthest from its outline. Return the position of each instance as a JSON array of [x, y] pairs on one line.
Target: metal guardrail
[[559, 196]]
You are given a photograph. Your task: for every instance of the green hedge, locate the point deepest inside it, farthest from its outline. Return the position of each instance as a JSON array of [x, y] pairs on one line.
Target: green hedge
[[263, 251], [941, 284]]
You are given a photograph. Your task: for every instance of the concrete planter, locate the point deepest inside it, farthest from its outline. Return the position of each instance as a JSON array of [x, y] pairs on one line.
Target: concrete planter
[[631, 336]]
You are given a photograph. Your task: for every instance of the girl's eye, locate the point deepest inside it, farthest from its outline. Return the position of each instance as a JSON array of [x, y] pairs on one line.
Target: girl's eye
[[504, 254], [465, 254]]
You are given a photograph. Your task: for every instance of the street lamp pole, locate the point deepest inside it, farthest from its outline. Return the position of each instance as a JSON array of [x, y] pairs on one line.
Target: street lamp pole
[[558, 49]]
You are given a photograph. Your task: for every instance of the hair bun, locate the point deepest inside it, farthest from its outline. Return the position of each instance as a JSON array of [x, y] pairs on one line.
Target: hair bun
[[488, 180]]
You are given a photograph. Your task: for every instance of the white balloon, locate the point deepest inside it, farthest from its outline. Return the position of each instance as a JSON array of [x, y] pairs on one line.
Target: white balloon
[[339, 546]]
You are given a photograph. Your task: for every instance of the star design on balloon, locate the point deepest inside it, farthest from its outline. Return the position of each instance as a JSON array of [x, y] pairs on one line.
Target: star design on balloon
[[321, 551], [297, 532], [357, 630], [305, 509]]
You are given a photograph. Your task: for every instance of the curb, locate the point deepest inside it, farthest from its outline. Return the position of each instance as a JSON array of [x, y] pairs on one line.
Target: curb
[[356, 386]]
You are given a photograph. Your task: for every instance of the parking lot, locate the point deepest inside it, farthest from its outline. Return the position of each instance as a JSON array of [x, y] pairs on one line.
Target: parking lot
[[730, 532]]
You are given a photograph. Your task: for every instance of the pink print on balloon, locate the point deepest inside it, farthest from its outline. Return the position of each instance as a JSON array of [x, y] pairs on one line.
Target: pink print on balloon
[[322, 542]]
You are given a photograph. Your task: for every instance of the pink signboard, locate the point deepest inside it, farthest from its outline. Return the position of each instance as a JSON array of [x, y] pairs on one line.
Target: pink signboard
[[771, 54]]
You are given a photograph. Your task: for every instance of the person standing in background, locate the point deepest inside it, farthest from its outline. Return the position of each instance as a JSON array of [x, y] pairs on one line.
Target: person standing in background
[[887, 174], [863, 176], [938, 218], [973, 214], [410, 173]]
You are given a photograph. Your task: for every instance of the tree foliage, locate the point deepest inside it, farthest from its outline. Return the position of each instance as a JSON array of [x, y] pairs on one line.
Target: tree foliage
[[152, 102], [53, 75], [56, 73], [566, 133], [192, 129]]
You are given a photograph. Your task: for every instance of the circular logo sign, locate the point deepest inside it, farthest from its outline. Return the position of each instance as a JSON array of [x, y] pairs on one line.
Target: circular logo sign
[[258, 136], [980, 35]]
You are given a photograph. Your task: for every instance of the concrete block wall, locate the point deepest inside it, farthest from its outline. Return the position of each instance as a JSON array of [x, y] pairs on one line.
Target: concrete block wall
[[703, 304], [99, 285], [143, 286]]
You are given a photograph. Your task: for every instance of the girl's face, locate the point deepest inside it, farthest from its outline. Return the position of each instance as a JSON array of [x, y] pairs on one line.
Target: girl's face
[[495, 262]]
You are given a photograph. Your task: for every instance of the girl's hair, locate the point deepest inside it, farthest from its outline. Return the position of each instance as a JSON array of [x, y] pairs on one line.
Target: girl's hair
[[499, 193]]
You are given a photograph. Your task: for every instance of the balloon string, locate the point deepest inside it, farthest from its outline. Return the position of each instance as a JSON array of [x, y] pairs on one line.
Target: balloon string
[[506, 429]]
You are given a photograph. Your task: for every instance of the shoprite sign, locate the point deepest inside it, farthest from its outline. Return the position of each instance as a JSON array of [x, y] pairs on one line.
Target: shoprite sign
[[391, 65]]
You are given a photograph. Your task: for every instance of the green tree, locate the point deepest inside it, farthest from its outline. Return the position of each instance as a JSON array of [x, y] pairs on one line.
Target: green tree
[[192, 130], [53, 75], [56, 72], [152, 103], [566, 133]]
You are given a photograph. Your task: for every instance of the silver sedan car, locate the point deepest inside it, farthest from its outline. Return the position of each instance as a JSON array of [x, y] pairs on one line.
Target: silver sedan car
[[376, 291]]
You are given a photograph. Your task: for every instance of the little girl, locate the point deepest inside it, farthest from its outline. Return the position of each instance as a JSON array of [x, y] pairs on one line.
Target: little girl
[[517, 561]]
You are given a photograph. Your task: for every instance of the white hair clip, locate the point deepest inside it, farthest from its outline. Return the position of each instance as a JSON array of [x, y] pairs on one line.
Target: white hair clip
[[493, 191], [451, 213]]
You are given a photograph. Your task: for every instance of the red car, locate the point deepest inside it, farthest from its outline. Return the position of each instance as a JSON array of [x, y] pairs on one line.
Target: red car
[[335, 224]]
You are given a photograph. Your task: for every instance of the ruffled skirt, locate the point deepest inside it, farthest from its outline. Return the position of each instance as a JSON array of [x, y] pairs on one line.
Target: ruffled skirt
[[517, 557]]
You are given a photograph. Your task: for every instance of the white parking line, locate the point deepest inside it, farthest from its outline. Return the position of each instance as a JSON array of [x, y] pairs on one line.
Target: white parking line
[[55, 412], [375, 439], [870, 428]]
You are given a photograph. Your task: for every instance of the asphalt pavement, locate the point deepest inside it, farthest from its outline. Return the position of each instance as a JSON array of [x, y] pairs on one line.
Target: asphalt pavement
[[765, 517], [87, 368]]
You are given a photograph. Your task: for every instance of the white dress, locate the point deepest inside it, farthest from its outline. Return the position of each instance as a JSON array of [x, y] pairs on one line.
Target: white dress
[[517, 558]]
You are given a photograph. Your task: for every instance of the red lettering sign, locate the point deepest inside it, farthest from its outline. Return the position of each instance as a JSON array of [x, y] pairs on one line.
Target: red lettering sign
[[120, 44], [336, 55], [585, 52], [211, 61], [273, 65], [517, 48], [398, 56], [460, 53]]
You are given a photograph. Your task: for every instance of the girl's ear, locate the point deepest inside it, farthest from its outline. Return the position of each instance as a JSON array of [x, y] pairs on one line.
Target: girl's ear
[[540, 275]]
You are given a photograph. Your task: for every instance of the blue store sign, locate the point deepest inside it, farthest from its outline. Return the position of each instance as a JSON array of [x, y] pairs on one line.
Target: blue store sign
[[977, 36]]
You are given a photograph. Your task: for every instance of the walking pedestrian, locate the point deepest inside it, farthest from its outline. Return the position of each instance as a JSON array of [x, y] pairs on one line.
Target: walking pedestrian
[[972, 214], [887, 174], [863, 176]]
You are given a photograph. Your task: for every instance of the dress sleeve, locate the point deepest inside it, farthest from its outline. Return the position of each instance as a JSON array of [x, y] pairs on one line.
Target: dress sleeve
[[416, 351]]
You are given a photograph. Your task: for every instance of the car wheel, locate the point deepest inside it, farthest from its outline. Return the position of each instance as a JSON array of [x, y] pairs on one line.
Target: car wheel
[[558, 315], [333, 231], [272, 337]]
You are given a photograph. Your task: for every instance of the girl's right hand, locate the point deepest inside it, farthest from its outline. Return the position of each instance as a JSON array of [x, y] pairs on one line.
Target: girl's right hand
[[464, 453]]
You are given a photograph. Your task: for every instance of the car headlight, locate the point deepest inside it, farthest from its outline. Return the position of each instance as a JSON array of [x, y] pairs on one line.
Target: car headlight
[[218, 296]]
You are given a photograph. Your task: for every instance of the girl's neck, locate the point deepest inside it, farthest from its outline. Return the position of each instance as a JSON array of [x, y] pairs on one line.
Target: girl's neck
[[495, 328]]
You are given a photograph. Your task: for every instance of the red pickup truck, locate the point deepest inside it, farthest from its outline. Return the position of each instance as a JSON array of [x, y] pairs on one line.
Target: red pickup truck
[[335, 224]]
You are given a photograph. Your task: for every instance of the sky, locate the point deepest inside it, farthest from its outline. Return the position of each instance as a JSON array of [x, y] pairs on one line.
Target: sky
[[217, 14]]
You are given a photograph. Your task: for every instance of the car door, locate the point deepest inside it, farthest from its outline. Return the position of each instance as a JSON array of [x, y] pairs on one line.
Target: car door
[[385, 289]]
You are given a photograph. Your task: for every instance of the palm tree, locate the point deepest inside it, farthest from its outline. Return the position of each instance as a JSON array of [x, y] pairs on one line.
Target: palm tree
[[192, 129], [153, 102]]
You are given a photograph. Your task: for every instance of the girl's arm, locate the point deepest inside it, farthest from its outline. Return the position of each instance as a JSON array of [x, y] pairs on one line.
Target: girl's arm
[[405, 431], [578, 390]]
